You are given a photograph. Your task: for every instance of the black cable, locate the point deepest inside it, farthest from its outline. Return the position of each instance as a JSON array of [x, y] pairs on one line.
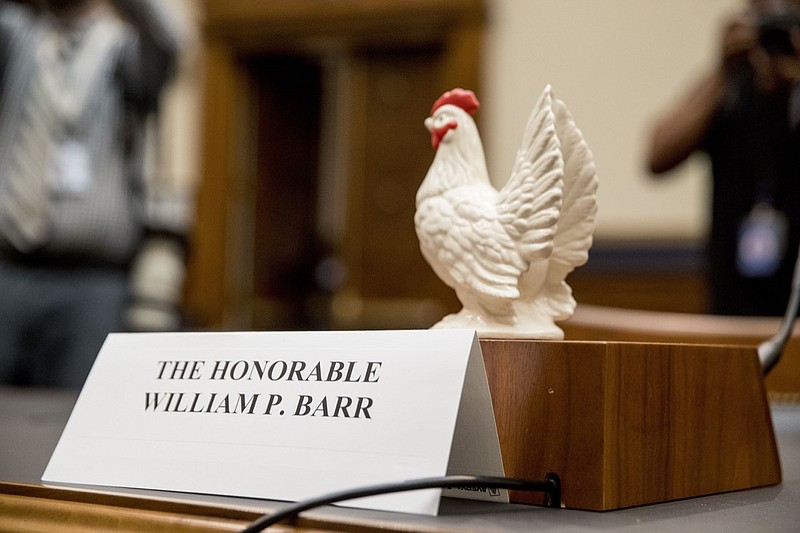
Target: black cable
[[550, 486], [771, 350]]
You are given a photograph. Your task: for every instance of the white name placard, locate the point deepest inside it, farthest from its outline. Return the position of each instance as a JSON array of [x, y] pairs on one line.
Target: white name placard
[[283, 415]]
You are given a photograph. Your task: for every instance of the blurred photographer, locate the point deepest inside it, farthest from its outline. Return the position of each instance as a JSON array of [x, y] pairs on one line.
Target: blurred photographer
[[745, 115], [85, 247]]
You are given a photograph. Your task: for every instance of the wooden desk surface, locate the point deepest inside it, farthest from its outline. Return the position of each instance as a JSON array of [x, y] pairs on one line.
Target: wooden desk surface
[[31, 422]]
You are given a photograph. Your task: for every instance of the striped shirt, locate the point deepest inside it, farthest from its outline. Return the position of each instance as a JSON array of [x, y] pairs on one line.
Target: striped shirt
[[103, 77]]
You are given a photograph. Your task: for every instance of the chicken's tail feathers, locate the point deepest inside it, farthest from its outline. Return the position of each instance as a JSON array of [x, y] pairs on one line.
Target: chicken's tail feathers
[[529, 203], [558, 300], [576, 223]]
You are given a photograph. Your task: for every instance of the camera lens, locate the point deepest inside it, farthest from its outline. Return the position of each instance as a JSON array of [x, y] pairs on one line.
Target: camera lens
[[775, 34]]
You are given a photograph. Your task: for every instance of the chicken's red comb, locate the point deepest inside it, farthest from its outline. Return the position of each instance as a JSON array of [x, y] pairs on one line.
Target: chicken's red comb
[[463, 98]]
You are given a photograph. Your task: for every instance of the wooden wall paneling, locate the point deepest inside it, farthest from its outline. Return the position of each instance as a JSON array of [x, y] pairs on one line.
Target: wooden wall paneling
[[390, 283], [431, 44], [285, 243], [249, 25], [208, 292]]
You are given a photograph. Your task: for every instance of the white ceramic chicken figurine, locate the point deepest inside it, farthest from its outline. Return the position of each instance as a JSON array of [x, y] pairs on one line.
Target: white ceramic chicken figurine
[[507, 253]]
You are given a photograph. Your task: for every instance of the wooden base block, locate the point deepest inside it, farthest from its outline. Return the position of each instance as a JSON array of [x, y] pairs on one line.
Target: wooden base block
[[626, 424]]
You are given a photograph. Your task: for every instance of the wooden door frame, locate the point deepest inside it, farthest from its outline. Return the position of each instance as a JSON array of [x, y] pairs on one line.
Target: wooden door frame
[[235, 30]]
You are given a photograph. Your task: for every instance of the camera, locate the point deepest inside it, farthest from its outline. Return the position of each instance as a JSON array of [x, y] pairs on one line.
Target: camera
[[775, 34]]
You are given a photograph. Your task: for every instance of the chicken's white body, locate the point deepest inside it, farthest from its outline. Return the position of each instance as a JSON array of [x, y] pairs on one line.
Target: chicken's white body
[[507, 253]]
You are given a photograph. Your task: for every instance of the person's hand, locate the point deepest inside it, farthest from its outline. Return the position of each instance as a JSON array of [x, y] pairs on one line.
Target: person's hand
[[739, 39]]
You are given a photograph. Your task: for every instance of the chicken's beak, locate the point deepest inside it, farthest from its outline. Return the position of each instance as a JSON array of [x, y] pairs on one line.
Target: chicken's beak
[[434, 139], [437, 134]]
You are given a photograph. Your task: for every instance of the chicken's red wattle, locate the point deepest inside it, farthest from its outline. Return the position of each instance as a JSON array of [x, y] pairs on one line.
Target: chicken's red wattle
[[437, 134]]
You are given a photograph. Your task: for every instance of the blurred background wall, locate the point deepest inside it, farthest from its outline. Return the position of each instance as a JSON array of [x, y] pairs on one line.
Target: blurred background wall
[[616, 64], [303, 128]]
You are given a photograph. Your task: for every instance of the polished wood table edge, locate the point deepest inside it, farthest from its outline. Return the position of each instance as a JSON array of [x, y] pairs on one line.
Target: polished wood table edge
[[27, 507]]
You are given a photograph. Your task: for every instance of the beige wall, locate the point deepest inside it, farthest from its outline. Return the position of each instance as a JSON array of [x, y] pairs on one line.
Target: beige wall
[[616, 64]]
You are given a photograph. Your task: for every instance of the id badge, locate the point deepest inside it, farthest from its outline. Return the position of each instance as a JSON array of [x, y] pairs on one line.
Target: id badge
[[762, 242], [73, 172]]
